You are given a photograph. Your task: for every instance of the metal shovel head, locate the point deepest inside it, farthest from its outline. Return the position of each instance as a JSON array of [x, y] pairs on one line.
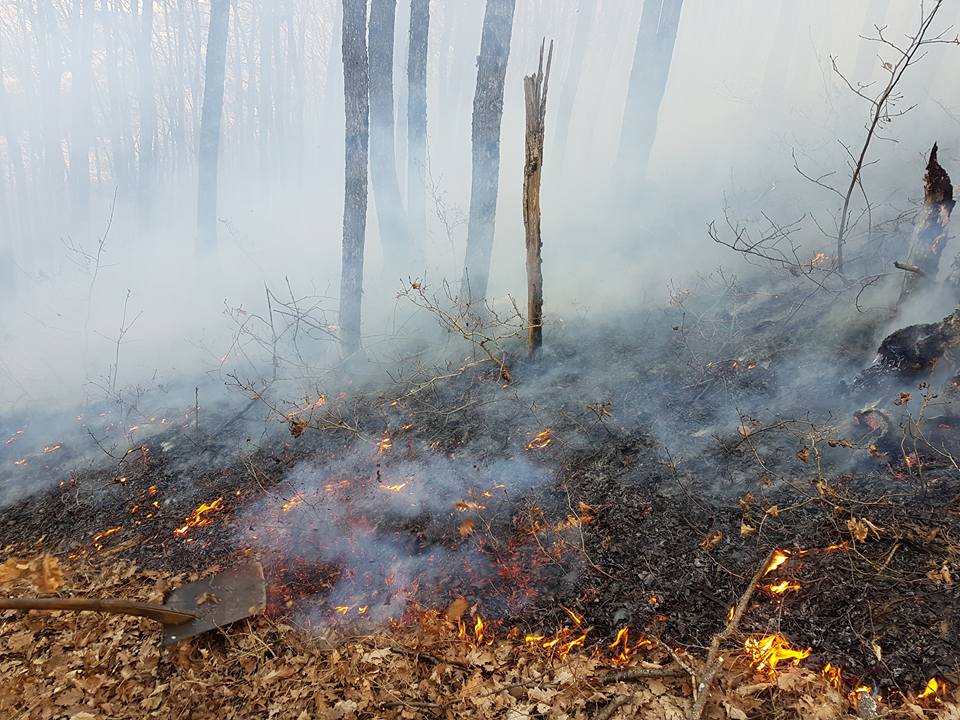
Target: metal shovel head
[[218, 600]]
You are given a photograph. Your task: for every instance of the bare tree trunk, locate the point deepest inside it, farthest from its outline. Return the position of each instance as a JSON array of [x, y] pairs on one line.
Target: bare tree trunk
[[568, 94], [485, 137], [383, 159], [8, 120], [417, 120], [535, 96], [930, 230], [267, 21], [81, 114], [356, 81], [210, 124], [659, 22], [148, 111]]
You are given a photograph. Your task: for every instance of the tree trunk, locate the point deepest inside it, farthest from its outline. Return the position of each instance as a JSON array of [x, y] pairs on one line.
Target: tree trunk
[[212, 113], [417, 120], [659, 22], [148, 111], [383, 160], [535, 96], [356, 80], [930, 229], [81, 114], [485, 138], [568, 94]]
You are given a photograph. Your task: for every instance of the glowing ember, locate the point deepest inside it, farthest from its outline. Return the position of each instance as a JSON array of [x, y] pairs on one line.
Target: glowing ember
[[385, 444], [541, 440], [833, 675], [51, 448], [21, 461], [199, 517], [779, 558], [463, 506], [395, 488], [765, 653], [935, 689], [13, 437], [781, 588]]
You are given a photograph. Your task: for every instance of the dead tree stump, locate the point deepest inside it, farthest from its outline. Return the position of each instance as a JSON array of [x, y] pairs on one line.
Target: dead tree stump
[[535, 93], [930, 230]]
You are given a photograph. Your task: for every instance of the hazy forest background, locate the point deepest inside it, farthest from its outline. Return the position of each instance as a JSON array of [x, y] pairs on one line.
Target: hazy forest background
[[101, 103]]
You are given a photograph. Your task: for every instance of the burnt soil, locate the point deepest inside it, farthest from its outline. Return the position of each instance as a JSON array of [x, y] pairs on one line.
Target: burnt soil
[[668, 482]]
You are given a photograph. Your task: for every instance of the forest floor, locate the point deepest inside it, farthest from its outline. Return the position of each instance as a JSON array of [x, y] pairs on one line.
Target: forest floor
[[636, 486]]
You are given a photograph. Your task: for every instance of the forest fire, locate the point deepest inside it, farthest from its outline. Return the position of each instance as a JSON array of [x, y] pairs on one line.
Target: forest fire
[[766, 652], [541, 440], [783, 587], [778, 559], [934, 690], [199, 517]]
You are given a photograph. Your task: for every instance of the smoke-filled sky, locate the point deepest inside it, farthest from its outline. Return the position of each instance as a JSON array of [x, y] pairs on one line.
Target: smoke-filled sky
[[750, 83]]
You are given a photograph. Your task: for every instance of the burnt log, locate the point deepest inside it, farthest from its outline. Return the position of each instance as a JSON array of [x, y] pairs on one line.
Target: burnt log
[[930, 230], [913, 352]]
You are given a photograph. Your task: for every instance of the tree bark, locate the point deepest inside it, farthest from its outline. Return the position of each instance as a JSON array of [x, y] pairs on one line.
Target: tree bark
[[485, 138], [535, 96], [210, 124], [568, 93], [81, 114], [659, 22], [148, 111], [930, 229], [417, 120], [383, 159], [356, 80]]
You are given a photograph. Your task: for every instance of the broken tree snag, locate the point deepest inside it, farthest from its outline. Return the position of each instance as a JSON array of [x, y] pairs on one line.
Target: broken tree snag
[[930, 230], [535, 94]]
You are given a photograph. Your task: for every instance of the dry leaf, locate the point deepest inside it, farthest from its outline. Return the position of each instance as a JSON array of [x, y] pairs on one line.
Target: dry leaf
[[773, 511], [466, 528], [43, 572], [711, 541], [904, 398], [877, 652], [297, 426], [803, 455], [858, 529], [746, 530], [456, 609]]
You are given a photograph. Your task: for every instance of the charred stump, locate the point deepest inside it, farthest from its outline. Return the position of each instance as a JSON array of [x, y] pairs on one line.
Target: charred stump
[[535, 94], [930, 230]]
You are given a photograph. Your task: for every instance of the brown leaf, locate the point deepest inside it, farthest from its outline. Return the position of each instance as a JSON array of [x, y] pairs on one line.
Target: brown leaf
[[858, 529], [773, 511], [466, 528], [456, 609], [711, 541], [803, 455], [297, 426], [904, 398], [746, 530]]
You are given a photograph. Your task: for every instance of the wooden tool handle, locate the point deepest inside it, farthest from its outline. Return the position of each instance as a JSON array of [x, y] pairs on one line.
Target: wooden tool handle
[[115, 607]]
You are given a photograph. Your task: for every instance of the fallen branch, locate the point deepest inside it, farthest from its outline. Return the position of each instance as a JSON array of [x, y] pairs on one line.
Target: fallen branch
[[611, 707], [909, 268], [641, 673], [714, 659]]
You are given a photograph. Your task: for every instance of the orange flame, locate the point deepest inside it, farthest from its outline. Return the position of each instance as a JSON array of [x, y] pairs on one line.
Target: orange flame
[[765, 653], [96, 539], [833, 675], [779, 558], [51, 448], [385, 444], [395, 488], [782, 588], [21, 461], [541, 440], [199, 517], [293, 502]]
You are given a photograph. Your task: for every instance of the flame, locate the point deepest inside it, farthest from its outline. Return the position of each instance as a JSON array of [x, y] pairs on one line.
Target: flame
[[779, 558], [463, 506], [330, 487], [385, 444], [198, 518], [839, 546], [765, 653], [21, 461], [51, 448], [293, 502], [481, 634], [833, 675], [395, 488], [622, 647], [577, 619], [541, 440], [820, 260], [858, 692], [13, 437], [730, 614], [96, 539], [781, 588], [935, 689]]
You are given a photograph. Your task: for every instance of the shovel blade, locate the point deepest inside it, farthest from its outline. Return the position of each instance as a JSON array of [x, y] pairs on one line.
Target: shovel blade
[[217, 601]]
